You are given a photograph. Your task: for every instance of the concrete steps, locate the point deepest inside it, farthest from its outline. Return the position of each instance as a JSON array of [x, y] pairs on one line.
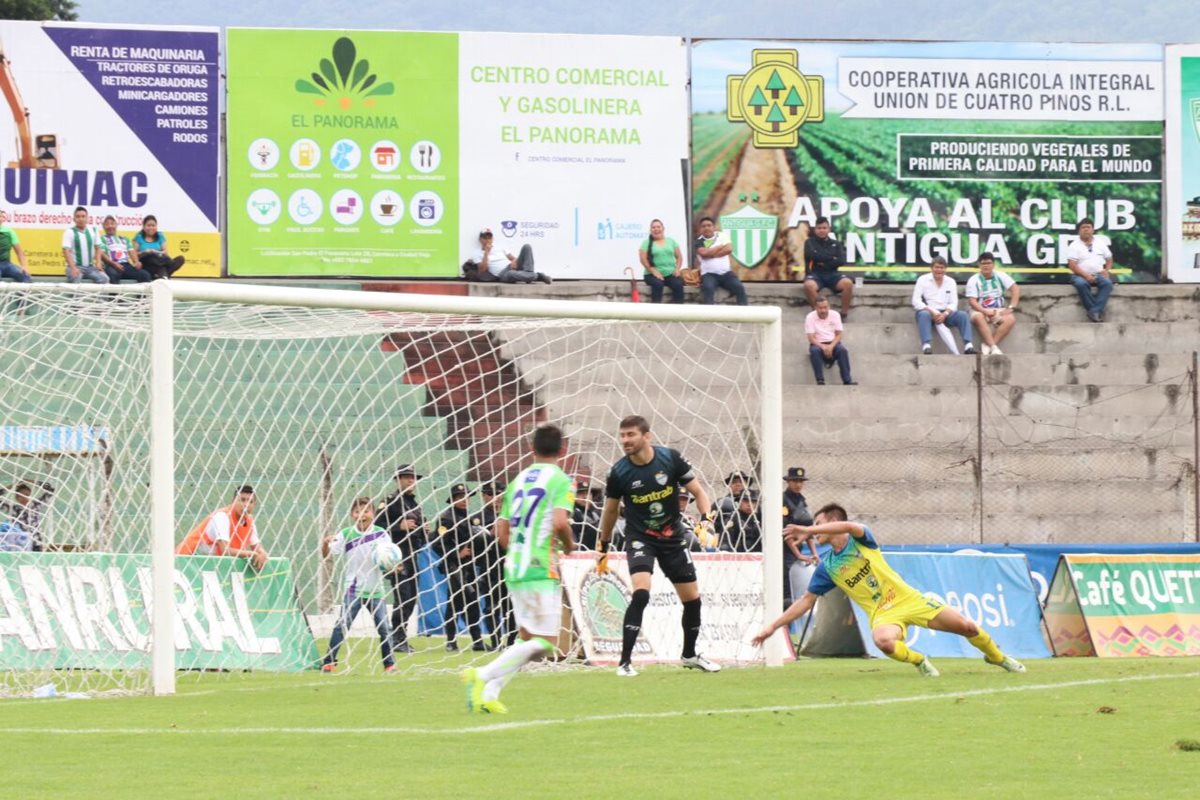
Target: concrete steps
[[1107, 369]]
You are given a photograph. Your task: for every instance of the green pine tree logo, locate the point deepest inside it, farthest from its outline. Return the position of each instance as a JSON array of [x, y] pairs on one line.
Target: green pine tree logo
[[344, 79]]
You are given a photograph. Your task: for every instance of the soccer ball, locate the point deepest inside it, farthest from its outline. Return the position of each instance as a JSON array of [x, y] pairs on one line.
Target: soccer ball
[[387, 555]]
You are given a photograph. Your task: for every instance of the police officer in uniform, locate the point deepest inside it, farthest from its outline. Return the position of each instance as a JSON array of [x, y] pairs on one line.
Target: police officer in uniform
[[459, 548], [742, 532], [400, 515], [585, 517], [797, 571], [491, 575]]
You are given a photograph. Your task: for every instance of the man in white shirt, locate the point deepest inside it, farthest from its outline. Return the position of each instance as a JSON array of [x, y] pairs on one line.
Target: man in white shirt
[[935, 299], [985, 295], [824, 328], [81, 250], [1090, 260], [494, 264], [712, 251]]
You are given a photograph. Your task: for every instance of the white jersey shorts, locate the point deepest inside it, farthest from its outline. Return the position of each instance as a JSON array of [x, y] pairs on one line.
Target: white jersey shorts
[[537, 610]]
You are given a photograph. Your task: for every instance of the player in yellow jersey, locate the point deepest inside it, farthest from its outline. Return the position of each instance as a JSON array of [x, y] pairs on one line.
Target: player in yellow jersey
[[855, 564]]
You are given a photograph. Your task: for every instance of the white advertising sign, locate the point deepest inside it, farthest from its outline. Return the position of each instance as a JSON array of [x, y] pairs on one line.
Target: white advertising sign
[[937, 88], [731, 586], [572, 144]]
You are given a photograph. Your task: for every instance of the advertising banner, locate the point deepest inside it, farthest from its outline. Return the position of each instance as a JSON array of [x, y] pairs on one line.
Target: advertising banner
[[993, 590], [572, 144], [385, 153], [90, 611], [936, 148], [1183, 162], [732, 592], [343, 153], [1043, 558], [1125, 605], [120, 120]]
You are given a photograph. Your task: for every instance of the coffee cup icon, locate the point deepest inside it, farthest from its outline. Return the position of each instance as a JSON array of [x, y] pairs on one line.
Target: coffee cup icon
[[387, 209]]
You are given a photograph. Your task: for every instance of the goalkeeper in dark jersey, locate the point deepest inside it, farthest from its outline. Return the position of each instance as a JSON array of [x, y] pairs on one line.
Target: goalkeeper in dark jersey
[[648, 479]]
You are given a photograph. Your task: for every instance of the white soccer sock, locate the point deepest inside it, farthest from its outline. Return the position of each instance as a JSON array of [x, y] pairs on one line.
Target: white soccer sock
[[508, 663]]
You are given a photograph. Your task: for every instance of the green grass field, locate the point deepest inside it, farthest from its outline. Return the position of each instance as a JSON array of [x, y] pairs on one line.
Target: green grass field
[[819, 728]]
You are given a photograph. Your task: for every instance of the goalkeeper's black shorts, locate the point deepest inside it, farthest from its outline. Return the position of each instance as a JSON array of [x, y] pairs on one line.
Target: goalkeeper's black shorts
[[672, 555]]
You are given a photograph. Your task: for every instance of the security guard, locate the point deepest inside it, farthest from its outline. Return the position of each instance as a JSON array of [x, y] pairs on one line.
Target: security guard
[[491, 574], [585, 517], [400, 515], [456, 544], [797, 572]]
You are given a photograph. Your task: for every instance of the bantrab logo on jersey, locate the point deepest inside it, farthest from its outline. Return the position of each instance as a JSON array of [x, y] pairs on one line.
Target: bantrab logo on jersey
[[660, 478], [751, 232], [775, 98]]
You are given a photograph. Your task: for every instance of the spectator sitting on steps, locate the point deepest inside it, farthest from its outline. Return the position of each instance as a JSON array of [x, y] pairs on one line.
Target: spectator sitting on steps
[[935, 299], [150, 247], [492, 263], [824, 329], [823, 255], [1090, 260], [985, 295]]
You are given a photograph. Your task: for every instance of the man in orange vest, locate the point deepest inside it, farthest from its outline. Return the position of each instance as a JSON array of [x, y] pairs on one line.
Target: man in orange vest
[[228, 532]]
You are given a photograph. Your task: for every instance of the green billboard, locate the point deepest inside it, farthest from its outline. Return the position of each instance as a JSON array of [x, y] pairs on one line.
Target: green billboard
[[342, 153], [89, 611]]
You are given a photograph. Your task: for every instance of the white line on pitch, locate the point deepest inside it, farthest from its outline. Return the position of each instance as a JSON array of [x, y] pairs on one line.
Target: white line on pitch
[[538, 723]]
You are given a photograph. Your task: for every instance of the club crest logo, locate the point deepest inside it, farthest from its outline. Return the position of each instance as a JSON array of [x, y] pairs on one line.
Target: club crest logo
[[660, 478], [751, 232], [775, 98]]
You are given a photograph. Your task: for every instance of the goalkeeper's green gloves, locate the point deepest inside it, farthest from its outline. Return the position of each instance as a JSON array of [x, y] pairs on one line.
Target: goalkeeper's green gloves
[[602, 559]]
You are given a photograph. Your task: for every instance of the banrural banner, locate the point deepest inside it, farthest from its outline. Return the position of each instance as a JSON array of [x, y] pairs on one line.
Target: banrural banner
[[921, 149], [90, 611], [120, 120], [1125, 605], [385, 153], [1183, 162], [733, 609]]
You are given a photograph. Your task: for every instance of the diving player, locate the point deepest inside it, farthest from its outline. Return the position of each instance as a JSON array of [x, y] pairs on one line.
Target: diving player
[[855, 564]]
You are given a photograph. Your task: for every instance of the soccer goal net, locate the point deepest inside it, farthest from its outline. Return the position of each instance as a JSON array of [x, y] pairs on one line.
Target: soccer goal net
[[185, 463]]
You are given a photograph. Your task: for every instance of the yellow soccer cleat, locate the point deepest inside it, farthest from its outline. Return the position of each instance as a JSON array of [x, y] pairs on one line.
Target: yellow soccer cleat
[[492, 707]]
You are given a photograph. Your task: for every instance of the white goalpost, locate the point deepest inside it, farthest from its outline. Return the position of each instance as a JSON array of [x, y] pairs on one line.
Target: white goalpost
[[314, 397]]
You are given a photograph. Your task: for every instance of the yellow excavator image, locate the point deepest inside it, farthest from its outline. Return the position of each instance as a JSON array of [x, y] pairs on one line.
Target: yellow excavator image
[[39, 152]]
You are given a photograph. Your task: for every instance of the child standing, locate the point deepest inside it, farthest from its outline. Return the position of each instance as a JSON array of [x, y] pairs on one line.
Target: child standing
[[365, 587]]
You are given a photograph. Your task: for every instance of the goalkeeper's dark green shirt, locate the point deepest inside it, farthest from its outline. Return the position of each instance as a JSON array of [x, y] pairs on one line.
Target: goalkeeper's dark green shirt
[[650, 492]]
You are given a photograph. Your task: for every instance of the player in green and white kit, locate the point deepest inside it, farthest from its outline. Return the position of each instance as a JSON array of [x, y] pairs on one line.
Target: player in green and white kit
[[534, 527], [365, 587]]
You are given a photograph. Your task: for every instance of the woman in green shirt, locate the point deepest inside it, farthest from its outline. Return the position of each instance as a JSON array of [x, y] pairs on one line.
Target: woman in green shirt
[[662, 259]]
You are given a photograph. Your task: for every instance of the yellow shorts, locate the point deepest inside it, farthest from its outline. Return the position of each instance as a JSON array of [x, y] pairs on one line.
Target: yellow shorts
[[916, 610]]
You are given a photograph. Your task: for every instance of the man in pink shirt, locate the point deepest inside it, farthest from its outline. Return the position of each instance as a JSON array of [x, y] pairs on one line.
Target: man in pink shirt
[[824, 328]]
